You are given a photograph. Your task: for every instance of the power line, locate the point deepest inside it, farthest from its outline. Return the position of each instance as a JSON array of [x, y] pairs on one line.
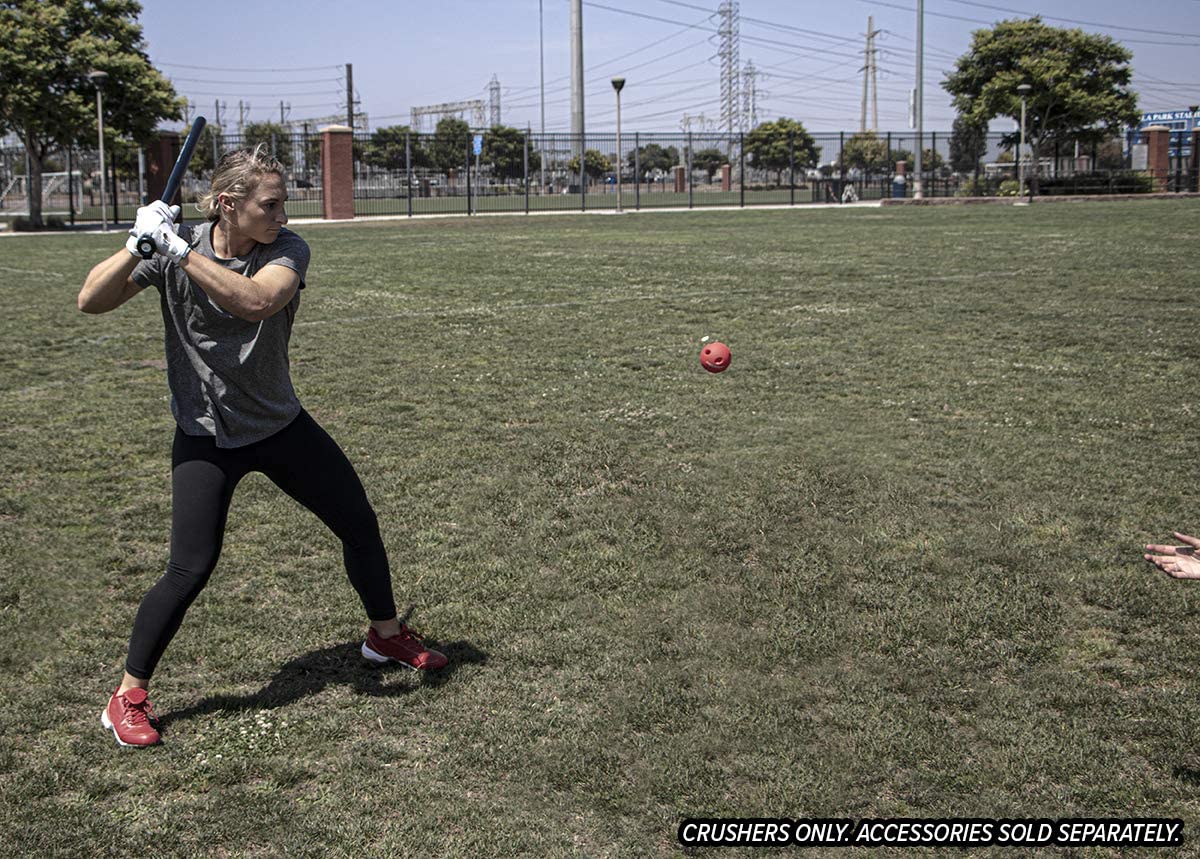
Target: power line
[[1074, 21], [255, 83], [259, 71]]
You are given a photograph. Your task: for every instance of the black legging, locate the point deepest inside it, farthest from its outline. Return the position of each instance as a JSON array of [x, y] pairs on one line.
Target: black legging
[[304, 462]]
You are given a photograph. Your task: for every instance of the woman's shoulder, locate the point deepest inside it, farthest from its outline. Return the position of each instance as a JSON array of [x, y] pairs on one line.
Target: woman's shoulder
[[289, 237]]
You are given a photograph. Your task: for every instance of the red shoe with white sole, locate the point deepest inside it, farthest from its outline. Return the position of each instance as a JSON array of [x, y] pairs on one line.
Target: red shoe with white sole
[[407, 648], [129, 717]]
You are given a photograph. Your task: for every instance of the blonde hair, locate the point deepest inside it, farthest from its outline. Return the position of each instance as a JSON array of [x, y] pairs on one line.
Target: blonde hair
[[237, 175]]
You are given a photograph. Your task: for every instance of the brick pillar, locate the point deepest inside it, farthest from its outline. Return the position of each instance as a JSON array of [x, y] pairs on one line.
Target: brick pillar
[[1158, 157], [680, 180], [1196, 158], [160, 158], [337, 172], [726, 177]]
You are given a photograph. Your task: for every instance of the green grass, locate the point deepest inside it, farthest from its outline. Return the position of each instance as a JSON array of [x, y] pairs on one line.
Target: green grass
[[887, 565]]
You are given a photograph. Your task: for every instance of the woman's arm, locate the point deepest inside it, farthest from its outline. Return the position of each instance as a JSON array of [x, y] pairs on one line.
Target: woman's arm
[[108, 284], [250, 298]]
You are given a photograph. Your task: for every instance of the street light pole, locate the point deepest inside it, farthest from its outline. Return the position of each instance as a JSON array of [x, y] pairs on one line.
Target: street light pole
[[918, 179], [618, 84], [98, 79], [1023, 89], [542, 80]]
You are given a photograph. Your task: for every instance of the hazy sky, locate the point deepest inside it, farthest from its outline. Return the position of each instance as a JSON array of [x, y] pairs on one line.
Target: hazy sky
[[810, 55]]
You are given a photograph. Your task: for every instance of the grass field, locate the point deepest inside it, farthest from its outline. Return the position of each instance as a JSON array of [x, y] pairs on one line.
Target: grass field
[[889, 564]]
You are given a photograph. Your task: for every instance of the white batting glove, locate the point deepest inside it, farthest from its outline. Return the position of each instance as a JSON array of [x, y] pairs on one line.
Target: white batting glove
[[149, 219], [169, 243]]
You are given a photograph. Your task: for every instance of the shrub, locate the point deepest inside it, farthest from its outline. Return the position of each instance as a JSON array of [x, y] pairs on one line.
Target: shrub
[[1119, 182], [22, 224]]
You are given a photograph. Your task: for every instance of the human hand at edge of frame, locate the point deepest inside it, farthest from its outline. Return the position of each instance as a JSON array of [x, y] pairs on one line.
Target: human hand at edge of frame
[[149, 219], [1178, 562]]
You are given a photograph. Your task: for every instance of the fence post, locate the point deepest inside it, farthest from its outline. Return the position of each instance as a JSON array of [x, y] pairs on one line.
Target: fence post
[[583, 173], [112, 160], [337, 172], [841, 165], [408, 170], [70, 187], [637, 174], [742, 168], [526, 169], [791, 168], [1179, 183], [691, 198], [1195, 168], [467, 174]]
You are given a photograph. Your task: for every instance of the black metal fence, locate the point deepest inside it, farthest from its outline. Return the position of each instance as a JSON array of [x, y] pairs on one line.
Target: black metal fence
[[71, 185], [508, 170], [502, 170]]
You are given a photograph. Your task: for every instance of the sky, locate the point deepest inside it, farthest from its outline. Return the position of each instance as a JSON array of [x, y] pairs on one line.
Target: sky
[[809, 56]]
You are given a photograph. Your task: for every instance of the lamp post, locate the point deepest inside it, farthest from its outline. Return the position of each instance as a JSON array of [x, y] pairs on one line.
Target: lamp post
[[618, 84], [98, 79], [1023, 89]]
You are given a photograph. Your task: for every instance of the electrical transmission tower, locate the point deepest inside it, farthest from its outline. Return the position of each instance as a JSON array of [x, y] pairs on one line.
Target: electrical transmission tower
[[869, 82], [728, 53], [750, 96], [494, 102], [456, 109]]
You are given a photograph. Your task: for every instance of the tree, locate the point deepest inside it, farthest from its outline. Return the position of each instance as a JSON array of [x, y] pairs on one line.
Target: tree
[[202, 156], [387, 150], [968, 144], [653, 157], [504, 149], [595, 164], [278, 139], [451, 139], [46, 97], [771, 145], [865, 151], [709, 160], [1080, 81]]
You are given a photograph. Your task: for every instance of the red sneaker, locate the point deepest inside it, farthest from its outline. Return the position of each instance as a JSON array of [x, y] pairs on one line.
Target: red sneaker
[[129, 716], [406, 648]]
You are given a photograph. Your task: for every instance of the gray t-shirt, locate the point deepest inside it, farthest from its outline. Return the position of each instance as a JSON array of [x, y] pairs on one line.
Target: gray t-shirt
[[228, 377]]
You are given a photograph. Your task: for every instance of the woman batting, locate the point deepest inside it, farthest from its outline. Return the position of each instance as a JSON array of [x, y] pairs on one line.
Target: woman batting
[[229, 291]]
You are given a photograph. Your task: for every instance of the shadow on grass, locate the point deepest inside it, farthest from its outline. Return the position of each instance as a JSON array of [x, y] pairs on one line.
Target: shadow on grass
[[341, 664], [1187, 775]]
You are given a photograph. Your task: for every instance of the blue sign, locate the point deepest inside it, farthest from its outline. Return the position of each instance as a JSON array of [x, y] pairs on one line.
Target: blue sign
[[478, 143]]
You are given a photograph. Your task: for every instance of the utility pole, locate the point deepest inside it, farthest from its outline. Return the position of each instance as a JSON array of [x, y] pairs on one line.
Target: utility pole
[[542, 80], [350, 94], [494, 102], [874, 70], [243, 109], [577, 128], [918, 178], [869, 84], [727, 29], [218, 130], [282, 118], [749, 96]]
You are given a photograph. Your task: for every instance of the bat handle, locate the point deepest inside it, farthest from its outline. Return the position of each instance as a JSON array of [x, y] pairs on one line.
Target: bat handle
[[146, 246]]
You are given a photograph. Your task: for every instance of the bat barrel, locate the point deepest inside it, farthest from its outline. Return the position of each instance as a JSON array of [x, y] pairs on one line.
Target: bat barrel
[[185, 156]]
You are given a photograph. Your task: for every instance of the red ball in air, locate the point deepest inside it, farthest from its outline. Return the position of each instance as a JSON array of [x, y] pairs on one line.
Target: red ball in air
[[715, 357]]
